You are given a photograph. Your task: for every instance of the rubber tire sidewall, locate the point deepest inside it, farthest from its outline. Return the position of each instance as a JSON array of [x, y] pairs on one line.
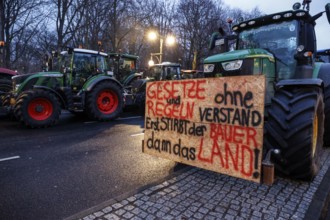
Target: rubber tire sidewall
[[289, 130], [22, 104], [91, 103], [324, 74]]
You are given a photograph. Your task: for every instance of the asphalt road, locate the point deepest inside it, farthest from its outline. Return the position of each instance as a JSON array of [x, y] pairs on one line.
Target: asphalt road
[[56, 172]]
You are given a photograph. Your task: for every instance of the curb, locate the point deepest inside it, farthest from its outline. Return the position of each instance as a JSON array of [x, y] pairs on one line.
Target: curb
[[320, 202], [121, 197]]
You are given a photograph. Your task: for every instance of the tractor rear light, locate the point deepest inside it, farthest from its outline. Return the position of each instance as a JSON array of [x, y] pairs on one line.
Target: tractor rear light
[[232, 65]]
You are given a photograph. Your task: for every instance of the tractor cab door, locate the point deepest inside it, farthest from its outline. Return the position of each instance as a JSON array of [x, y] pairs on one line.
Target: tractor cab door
[[85, 66]]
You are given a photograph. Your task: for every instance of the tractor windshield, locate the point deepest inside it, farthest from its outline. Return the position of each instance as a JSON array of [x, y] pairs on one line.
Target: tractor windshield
[[280, 39]]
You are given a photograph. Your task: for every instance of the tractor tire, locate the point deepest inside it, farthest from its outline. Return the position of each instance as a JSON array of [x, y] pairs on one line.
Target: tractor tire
[[295, 126], [325, 76], [105, 101], [37, 108], [5, 105], [5, 87], [326, 138]]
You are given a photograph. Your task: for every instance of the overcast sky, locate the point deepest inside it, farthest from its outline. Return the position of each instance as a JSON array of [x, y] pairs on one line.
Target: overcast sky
[[322, 25]]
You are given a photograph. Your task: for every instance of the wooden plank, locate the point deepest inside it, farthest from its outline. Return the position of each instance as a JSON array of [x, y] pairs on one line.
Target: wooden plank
[[211, 123]]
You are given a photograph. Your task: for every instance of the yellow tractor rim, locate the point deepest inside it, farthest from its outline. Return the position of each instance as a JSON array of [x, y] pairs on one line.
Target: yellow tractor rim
[[315, 132]]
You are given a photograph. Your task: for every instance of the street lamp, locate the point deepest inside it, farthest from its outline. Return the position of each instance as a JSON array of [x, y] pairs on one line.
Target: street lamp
[[170, 40]]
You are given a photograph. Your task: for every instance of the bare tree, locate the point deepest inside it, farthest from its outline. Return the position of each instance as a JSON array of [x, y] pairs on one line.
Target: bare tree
[[67, 12], [18, 16], [196, 20]]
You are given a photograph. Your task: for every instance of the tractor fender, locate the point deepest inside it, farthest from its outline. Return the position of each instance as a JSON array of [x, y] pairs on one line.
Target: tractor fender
[[132, 77], [90, 84], [58, 95], [324, 73], [300, 82]]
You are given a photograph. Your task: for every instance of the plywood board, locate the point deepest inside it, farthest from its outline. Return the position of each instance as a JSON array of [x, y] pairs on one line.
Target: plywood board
[[211, 123]]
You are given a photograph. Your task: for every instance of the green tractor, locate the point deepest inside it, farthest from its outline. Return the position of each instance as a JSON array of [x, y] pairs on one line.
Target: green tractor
[[162, 71], [297, 102], [82, 83], [124, 67], [5, 82]]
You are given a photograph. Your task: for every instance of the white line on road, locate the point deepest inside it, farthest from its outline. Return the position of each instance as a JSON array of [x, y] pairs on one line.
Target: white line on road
[[134, 135], [9, 158], [90, 122], [118, 119]]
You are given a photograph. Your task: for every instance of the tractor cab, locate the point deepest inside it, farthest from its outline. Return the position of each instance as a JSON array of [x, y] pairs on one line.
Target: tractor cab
[[165, 71], [79, 65], [124, 67]]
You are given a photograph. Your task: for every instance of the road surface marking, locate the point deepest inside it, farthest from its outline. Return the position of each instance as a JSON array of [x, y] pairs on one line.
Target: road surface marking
[[90, 122], [133, 117], [134, 135], [9, 158]]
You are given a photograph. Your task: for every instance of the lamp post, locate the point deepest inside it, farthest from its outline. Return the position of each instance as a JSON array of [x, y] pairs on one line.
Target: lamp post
[[170, 40]]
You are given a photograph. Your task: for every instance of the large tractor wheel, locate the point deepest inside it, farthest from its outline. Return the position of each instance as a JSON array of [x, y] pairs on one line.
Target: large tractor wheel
[[8, 111], [5, 87], [295, 126], [105, 101], [326, 138], [325, 76], [37, 108]]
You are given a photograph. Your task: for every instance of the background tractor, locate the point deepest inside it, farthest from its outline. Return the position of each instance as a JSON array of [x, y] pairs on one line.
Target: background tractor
[[125, 68], [5, 84], [163, 71], [297, 103], [78, 80]]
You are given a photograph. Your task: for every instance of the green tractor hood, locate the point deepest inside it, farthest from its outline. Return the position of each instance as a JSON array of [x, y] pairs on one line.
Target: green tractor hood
[[238, 55], [24, 82]]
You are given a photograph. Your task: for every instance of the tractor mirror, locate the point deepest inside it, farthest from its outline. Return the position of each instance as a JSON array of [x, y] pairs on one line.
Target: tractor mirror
[[327, 11]]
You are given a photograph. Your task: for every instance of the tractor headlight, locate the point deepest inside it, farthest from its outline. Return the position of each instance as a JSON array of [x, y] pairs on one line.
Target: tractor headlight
[[208, 68], [232, 65]]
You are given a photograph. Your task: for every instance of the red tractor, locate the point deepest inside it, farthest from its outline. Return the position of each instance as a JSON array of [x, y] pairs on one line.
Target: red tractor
[[5, 82]]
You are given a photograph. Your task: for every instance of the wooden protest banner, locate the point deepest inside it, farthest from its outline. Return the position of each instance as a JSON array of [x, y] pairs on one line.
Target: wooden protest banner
[[211, 123]]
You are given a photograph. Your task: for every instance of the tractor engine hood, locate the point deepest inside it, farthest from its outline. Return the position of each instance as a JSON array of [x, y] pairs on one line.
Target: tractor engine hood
[[239, 55], [237, 63], [22, 80]]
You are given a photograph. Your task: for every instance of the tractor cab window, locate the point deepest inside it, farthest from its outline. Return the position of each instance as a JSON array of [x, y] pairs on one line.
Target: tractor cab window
[[126, 67], [171, 73], [155, 72], [280, 39], [85, 66], [65, 62]]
